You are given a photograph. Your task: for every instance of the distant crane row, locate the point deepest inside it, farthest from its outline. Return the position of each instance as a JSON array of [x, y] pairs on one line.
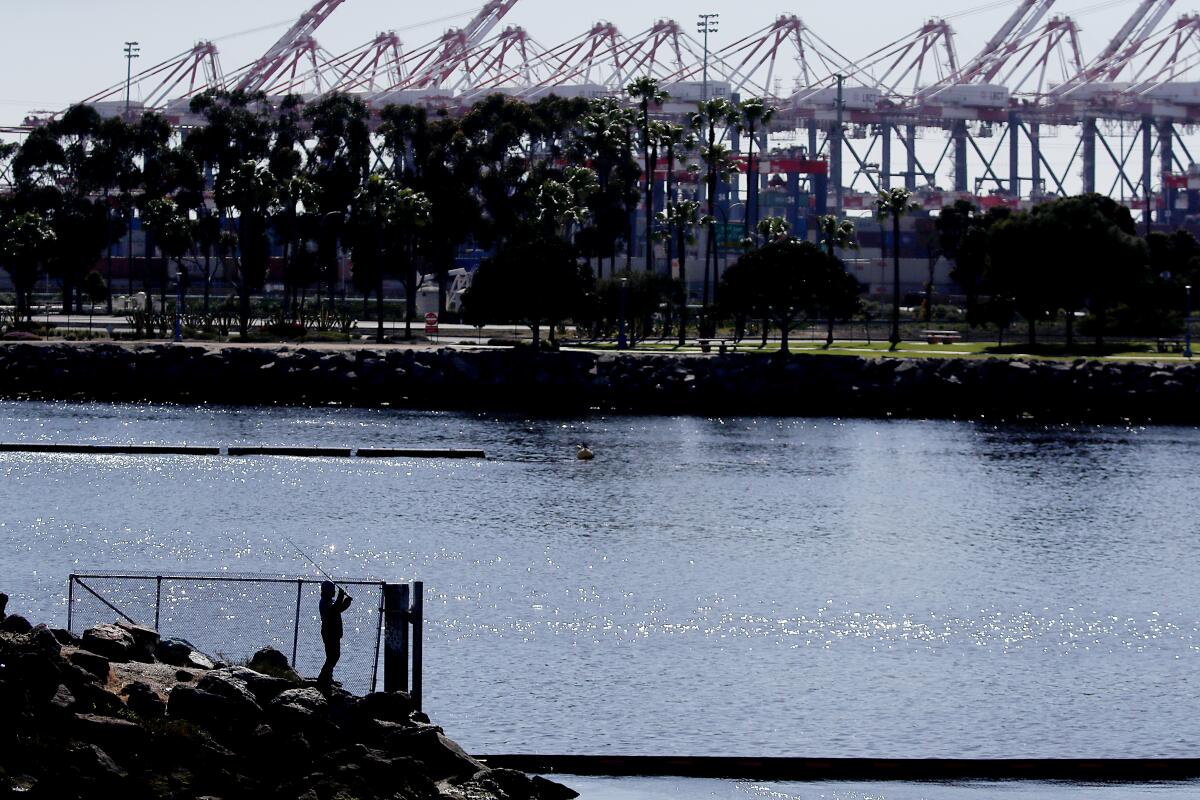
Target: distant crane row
[[1031, 73]]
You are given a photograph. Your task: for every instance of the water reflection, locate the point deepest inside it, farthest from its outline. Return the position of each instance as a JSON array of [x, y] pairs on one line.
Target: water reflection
[[743, 586]]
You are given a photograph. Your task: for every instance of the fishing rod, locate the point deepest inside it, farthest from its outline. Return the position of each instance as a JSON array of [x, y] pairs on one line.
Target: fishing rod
[[310, 560]]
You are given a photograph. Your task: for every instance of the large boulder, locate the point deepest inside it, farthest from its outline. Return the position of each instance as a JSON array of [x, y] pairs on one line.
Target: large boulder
[[270, 661], [310, 699], [144, 701], [387, 706], [120, 737], [513, 785], [243, 706], [265, 688], [15, 623], [95, 664], [440, 757], [111, 641], [173, 651], [203, 708], [144, 640]]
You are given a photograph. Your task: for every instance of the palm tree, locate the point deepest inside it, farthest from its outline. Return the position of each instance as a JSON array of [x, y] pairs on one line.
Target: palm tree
[[600, 139], [676, 139], [678, 222], [647, 91], [895, 204], [754, 114], [713, 113], [835, 235]]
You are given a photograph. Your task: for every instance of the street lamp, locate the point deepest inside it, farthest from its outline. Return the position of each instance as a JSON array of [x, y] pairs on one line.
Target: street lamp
[[1187, 331], [132, 51], [706, 24], [622, 340], [180, 277]]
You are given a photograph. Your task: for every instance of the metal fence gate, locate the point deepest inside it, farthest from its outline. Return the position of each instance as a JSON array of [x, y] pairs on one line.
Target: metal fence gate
[[230, 617]]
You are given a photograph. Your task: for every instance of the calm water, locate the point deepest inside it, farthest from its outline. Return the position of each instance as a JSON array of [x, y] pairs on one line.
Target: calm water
[[673, 789], [706, 586]]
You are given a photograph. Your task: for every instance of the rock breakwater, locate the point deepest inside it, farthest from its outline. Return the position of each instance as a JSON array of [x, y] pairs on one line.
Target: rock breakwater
[[571, 382], [121, 713]]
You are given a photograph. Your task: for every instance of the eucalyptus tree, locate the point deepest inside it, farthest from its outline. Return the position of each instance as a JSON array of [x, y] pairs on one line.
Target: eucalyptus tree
[[1018, 268], [962, 235], [435, 158], [893, 205], [338, 166], [27, 242], [174, 230], [237, 132], [498, 130], [678, 223], [835, 235], [168, 172], [535, 278], [56, 168], [753, 115], [116, 175], [291, 219], [782, 279], [647, 92], [246, 195], [383, 230]]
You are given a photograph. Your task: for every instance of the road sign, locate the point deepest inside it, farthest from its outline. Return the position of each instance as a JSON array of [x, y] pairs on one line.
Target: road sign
[[431, 322]]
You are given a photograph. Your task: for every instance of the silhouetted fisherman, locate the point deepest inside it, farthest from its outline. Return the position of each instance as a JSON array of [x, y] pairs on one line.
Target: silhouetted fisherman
[[3, 605], [331, 628]]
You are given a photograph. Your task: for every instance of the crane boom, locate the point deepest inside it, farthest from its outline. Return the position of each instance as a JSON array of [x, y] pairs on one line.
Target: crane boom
[[261, 71], [488, 18], [1012, 22], [457, 43], [1019, 24], [1130, 26]]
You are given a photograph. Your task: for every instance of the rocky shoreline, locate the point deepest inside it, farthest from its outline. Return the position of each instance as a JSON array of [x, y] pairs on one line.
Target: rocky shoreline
[[520, 380], [120, 713]]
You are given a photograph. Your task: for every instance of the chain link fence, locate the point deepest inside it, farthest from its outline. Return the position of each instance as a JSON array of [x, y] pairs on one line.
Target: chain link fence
[[230, 617]]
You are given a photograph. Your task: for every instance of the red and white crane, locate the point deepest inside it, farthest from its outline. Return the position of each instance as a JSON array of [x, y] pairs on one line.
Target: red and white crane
[[286, 54]]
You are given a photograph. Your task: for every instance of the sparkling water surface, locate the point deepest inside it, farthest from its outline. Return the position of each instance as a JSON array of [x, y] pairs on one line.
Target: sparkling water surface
[[730, 586], [674, 788]]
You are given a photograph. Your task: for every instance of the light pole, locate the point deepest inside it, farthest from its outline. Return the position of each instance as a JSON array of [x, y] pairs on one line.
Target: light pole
[[179, 279], [622, 340], [1187, 330], [132, 51], [706, 24], [835, 149]]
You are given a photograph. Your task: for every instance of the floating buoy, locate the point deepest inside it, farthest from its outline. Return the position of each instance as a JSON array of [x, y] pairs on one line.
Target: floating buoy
[[585, 453]]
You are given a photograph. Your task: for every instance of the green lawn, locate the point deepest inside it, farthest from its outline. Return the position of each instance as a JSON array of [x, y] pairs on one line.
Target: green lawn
[[1118, 351]]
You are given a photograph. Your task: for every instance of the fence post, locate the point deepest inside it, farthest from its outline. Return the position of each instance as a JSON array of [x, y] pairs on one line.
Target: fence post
[[296, 632], [378, 643], [395, 637], [157, 599], [70, 599], [418, 622]]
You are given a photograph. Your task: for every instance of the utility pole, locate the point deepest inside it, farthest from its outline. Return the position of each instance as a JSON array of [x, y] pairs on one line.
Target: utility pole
[[708, 23], [132, 51], [835, 150]]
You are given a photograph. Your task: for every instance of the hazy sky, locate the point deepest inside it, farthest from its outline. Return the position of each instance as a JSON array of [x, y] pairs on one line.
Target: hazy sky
[[54, 52]]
